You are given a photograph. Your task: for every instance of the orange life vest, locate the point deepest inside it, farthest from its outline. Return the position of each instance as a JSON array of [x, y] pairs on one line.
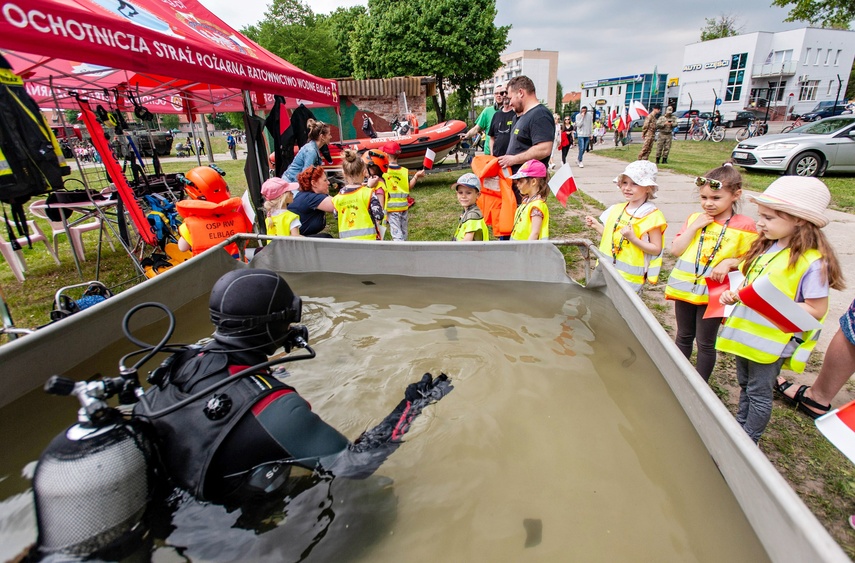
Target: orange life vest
[[497, 201], [207, 224]]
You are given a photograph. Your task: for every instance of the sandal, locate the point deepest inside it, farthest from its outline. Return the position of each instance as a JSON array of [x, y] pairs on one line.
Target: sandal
[[781, 387], [808, 406]]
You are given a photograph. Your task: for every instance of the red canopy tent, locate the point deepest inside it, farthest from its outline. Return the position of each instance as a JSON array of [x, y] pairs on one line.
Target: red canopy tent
[[137, 43], [174, 56]]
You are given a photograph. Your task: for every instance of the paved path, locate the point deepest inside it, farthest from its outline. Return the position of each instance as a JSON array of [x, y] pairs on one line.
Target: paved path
[[677, 198]]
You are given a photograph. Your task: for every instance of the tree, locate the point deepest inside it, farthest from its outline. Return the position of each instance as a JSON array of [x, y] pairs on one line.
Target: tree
[[559, 95], [456, 41], [341, 26], [291, 30], [722, 26], [220, 121], [169, 121], [827, 13]]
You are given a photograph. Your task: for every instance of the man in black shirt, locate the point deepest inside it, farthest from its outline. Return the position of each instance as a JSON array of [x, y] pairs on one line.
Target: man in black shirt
[[500, 128], [533, 131]]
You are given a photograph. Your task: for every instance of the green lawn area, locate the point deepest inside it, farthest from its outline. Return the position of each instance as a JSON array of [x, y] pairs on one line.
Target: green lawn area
[[697, 157], [433, 218]]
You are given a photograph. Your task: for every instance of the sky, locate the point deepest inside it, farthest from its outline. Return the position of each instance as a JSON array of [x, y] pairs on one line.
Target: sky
[[595, 39]]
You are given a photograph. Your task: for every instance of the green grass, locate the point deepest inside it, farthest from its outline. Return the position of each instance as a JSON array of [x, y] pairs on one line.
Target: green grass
[[696, 158]]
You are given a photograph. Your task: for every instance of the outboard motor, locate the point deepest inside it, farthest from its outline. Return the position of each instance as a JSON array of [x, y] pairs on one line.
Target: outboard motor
[[93, 482]]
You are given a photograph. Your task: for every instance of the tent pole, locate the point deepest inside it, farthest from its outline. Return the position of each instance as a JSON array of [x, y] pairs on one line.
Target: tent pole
[[257, 170], [208, 152], [192, 130]]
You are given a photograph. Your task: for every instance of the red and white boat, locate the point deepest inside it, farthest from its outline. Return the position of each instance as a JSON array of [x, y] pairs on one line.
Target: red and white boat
[[440, 138]]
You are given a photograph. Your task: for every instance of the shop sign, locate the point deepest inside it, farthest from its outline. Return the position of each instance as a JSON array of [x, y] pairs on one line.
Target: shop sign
[[702, 66]]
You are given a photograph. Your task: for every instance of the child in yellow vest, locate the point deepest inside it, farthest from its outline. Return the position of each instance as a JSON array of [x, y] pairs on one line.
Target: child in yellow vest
[[471, 225], [278, 193], [632, 232], [531, 221], [398, 186], [359, 211], [793, 253], [711, 244]]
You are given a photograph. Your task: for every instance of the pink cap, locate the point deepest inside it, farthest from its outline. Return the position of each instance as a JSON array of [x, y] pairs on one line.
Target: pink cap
[[531, 169], [275, 187]]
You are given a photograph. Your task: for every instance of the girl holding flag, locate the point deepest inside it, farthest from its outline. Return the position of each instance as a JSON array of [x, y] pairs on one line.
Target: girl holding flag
[[711, 244], [788, 272]]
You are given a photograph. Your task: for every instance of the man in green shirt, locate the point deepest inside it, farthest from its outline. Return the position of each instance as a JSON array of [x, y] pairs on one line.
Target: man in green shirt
[[482, 124]]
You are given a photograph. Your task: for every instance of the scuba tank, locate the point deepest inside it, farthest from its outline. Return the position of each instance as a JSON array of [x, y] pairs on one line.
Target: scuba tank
[[93, 482]]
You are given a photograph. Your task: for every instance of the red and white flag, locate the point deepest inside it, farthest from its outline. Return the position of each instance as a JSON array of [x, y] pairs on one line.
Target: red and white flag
[[715, 309], [612, 118], [777, 307], [563, 184], [637, 110], [839, 427], [429, 156]]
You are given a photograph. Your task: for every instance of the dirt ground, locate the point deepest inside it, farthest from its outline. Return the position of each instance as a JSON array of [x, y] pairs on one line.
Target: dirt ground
[[818, 472]]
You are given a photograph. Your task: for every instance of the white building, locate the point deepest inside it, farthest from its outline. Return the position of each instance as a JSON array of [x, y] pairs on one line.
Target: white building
[[607, 94], [540, 66], [788, 71]]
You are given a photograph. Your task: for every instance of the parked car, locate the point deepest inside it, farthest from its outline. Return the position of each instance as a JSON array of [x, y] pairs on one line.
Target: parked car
[[685, 117], [823, 110], [813, 149], [738, 119]]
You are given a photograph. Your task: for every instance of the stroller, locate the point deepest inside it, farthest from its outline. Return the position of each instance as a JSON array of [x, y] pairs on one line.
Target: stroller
[[182, 150]]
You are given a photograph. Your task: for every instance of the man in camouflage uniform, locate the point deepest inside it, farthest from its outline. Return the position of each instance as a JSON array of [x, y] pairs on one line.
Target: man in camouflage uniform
[[648, 133], [665, 125]]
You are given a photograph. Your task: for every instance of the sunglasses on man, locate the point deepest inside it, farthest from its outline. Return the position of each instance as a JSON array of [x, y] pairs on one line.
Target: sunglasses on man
[[700, 181]]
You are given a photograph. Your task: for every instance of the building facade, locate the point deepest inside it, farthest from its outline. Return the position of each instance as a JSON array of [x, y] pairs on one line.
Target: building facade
[[607, 94], [786, 72], [540, 66]]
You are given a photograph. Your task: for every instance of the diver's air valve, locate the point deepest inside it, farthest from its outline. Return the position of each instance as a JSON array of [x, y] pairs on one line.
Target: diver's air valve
[[93, 482]]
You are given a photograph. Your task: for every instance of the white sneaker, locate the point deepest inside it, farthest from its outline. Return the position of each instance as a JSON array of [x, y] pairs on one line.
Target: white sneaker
[[581, 165]]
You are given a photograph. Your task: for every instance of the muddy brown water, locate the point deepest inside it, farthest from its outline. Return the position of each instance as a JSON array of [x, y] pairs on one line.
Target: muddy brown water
[[560, 441]]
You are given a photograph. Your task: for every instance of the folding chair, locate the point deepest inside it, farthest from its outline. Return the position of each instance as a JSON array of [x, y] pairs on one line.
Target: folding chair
[[37, 208], [16, 259]]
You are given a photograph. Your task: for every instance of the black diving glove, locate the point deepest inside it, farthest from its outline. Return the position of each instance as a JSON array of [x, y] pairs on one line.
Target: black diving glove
[[371, 449]]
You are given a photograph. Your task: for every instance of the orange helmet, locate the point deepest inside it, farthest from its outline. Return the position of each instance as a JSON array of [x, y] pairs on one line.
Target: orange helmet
[[207, 183], [376, 157]]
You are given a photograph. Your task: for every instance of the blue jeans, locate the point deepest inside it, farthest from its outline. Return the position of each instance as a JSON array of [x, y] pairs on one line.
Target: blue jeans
[[755, 401], [583, 146]]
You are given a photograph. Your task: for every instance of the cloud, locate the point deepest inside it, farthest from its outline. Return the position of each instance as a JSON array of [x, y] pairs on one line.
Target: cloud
[[595, 38]]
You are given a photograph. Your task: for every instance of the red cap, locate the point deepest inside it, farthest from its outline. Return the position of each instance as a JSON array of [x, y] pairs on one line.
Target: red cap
[[391, 147]]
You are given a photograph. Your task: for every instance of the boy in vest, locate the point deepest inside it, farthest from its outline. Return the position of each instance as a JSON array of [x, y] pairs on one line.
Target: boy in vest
[[398, 186]]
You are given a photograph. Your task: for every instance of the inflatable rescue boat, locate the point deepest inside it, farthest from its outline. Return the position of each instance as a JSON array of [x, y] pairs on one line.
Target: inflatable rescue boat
[[440, 138]]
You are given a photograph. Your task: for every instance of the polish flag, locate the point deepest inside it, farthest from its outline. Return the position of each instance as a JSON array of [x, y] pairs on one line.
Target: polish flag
[[429, 156], [777, 307], [642, 111], [612, 118], [563, 184], [715, 309], [839, 427]]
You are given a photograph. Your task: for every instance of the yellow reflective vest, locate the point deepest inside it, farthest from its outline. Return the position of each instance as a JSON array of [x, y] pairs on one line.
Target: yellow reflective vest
[[397, 189], [748, 334], [470, 224], [634, 265], [688, 279], [280, 224], [354, 217], [522, 220]]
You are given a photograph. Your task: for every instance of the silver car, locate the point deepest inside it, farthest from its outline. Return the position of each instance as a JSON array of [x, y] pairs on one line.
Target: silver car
[[823, 146]]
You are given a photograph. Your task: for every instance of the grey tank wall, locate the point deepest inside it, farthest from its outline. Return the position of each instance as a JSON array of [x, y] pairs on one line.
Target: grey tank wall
[[787, 529]]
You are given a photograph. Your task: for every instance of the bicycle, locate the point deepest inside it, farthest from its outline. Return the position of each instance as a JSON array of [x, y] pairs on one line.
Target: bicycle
[[797, 123], [752, 130], [715, 134]]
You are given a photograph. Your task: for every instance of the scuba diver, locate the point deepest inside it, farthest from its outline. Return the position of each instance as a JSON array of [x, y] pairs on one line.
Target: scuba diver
[[229, 439]]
